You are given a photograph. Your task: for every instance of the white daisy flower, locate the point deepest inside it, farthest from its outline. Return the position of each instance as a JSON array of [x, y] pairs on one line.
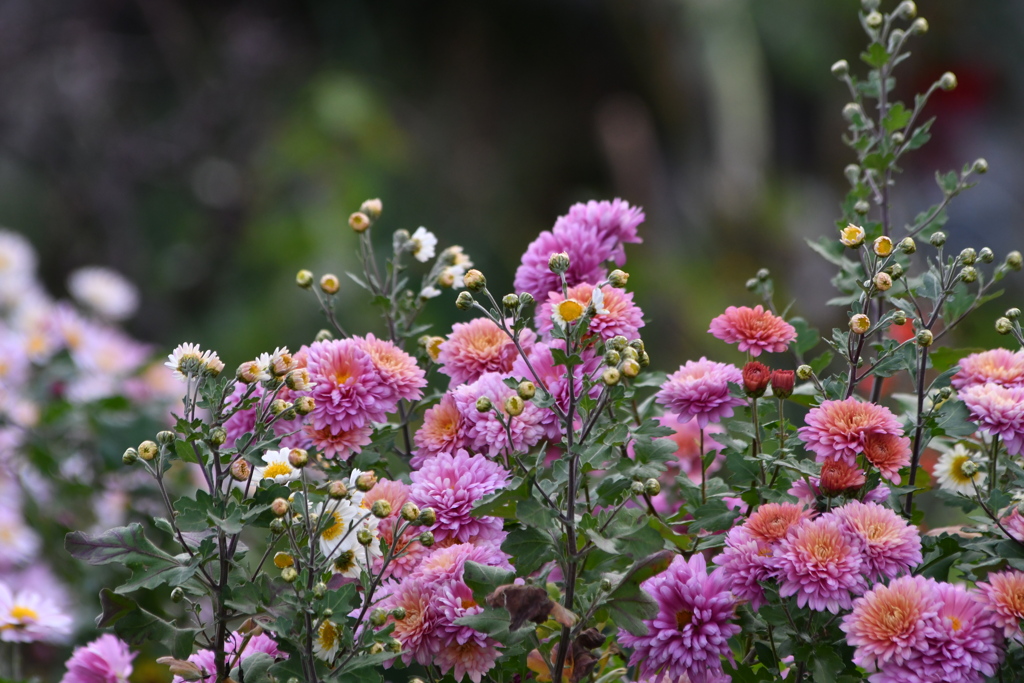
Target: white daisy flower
[[27, 617], [429, 292], [425, 243], [278, 468], [254, 370], [566, 312], [18, 542], [188, 359], [959, 469], [597, 301], [104, 291], [325, 646]]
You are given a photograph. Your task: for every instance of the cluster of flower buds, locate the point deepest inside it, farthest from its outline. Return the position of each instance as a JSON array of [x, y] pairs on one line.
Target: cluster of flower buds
[[368, 213], [624, 359], [757, 376]]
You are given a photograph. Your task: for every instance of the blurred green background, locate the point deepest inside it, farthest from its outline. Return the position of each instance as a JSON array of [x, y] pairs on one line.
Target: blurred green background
[[208, 150]]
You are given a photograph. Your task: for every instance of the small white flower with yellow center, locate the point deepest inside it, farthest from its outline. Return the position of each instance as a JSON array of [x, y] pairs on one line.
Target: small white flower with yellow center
[[566, 312], [597, 302], [253, 370], [852, 236], [325, 646], [104, 291], [959, 469], [27, 617], [425, 244], [429, 292], [278, 468], [18, 542], [281, 362], [340, 525], [188, 359]]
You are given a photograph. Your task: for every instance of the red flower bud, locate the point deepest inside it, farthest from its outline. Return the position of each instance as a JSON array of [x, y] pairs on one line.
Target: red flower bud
[[782, 383], [755, 378]]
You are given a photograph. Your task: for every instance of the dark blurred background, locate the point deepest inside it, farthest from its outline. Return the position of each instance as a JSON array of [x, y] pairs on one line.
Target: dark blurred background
[[208, 150]]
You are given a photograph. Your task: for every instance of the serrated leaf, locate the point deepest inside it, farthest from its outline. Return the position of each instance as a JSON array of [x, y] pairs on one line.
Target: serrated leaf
[[121, 545], [947, 182], [185, 451], [897, 117], [529, 549], [876, 56]]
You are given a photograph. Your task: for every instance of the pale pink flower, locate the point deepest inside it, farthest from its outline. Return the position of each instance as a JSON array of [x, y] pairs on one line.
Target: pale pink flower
[[619, 316], [838, 429], [700, 389], [27, 617], [999, 366], [967, 647], [890, 546], [999, 411], [478, 347], [416, 630], [754, 329], [105, 660], [105, 291], [395, 368], [771, 522], [820, 564], [484, 433], [447, 564], [1003, 592], [339, 443], [441, 431], [206, 660], [892, 623]]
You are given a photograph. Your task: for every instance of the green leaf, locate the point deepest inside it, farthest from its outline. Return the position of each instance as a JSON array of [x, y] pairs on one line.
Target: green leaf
[[947, 182], [876, 56], [121, 545], [138, 626], [806, 336], [826, 664], [630, 605], [714, 516], [897, 118], [254, 668], [185, 451], [920, 135], [529, 549]]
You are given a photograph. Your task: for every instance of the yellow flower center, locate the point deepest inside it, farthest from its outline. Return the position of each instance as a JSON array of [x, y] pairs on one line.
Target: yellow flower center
[[334, 529], [282, 560], [22, 613], [956, 472], [955, 623], [570, 310], [328, 635], [277, 469]]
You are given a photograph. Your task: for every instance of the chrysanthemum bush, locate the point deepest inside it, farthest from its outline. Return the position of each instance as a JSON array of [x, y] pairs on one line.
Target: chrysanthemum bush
[[524, 497]]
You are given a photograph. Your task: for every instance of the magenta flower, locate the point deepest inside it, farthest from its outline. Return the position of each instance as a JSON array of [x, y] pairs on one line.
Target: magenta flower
[[890, 546], [349, 392], [700, 389], [395, 368], [745, 563], [105, 660], [999, 366], [484, 433], [820, 564], [337, 442], [451, 485], [687, 440], [754, 329], [445, 565], [441, 432], [690, 634], [478, 347], [416, 631], [1004, 595], [615, 222], [838, 429], [620, 315], [892, 623], [587, 251], [206, 659], [999, 411]]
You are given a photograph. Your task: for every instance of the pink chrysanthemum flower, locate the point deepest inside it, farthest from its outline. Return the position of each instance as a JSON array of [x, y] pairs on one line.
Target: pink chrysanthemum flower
[[348, 392], [771, 522], [441, 431], [967, 647], [339, 443], [754, 329], [889, 453], [395, 368], [27, 617], [1013, 522], [700, 389], [821, 565], [416, 630], [839, 477], [105, 660], [1004, 595], [587, 256], [616, 224], [999, 411], [690, 634], [483, 432], [473, 658], [206, 659], [478, 347], [745, 563], [244, 421], [838, 429], [620, 317], [451, 485], [396, 494], [892, 623], [687, 440], [999, 366], [445, 565], [890, 546], [554, 378]]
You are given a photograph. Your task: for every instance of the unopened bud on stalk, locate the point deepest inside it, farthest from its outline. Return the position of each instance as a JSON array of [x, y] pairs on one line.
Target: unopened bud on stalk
[[514, 405], [986, 255], [925, 337], [895, 38], [304, 405], [782, 383], [907, 245], [617, 343], [327, 613], [882, 281], [337, 489], [280, 507], [398, 613], [130, 456], [324, 335], [852, 236], [426, 539], [629, 353], [378, 617], [852, 172], [526, 390], [464, 301], [218, 435], [304, 279], [376, 648], [852, 110], [652, 487], [148, 450], [380, 508], [525, 299], [289, 575], [1004, 326], [874, 19], [805, 372], [366, 481], [276, 526], [755, 378], [393, 645], [278, 406], [937, 239], [860, 323], [895, 271], [637, 488], [319, 590], [751, 284], [897, 138], [618, 278], [364, 537], [410, 512], [240, 470], [945, 393], [882, 246], [968, 256], [165, 437], [483, 404], [474, 280], [899, 318], [919, 26], [611, 377], [372, 208], [630, 368], [861, 207], [980, 166], [177, 595], [359, 221], [948, 81], [644, 359], [558, 262], [1012, 313], [427, 517], [906, 10], [840, 68], [968, 274], [510, 301], [330, 284], [1014, 261]]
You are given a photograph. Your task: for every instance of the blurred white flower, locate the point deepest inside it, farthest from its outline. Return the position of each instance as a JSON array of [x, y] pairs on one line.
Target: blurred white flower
[[104, 291]]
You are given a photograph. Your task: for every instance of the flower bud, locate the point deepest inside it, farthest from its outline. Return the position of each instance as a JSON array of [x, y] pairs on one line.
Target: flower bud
[[337, 489], [882, 281], [782, 383], [240, 470], [298, 380], [364, 537], [165, 437], [899, 318], [968, 274], [177, 595], [378, 617], [637, 488], [907, 245], [755, 378], [882, 246], [980, 166], [218, 435], [852, 173], [895, 271], [483, 404], [897, 138], [611, 376], [380, 508], [304, 279], [852, 110], [1012, 313], [319, 590], [874, 19], [324, 335], [514, 405], [464, 301], [924, 337], [861, 207], [630, 368], [636, 344], [474, 280], [366, 481], [278, 406], [304, 405], [1014, 261], [986, 255], [327, 613], [148, 450], [427, 517], [359, 221], [969, 468], [525, 299], [510, 301], [860, 323], [393, 645], [937, 239], [276, 526], [652, 487], [376, 649], [280, 507], [751, 284], [330, 284], [289, 575], [805, 372], [948, 81], [558, 262], [426, 539], [968, 257], [840, 68], [526, 390], [298, 458], [130, 456], [617, 343], [410, 512], [447, 278], [919, 26], [852, 236], [372, 208], [945, 393], [1004, 326], [398, 613], [644, 359], [906, 10], [618, 278], [869, 5]]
